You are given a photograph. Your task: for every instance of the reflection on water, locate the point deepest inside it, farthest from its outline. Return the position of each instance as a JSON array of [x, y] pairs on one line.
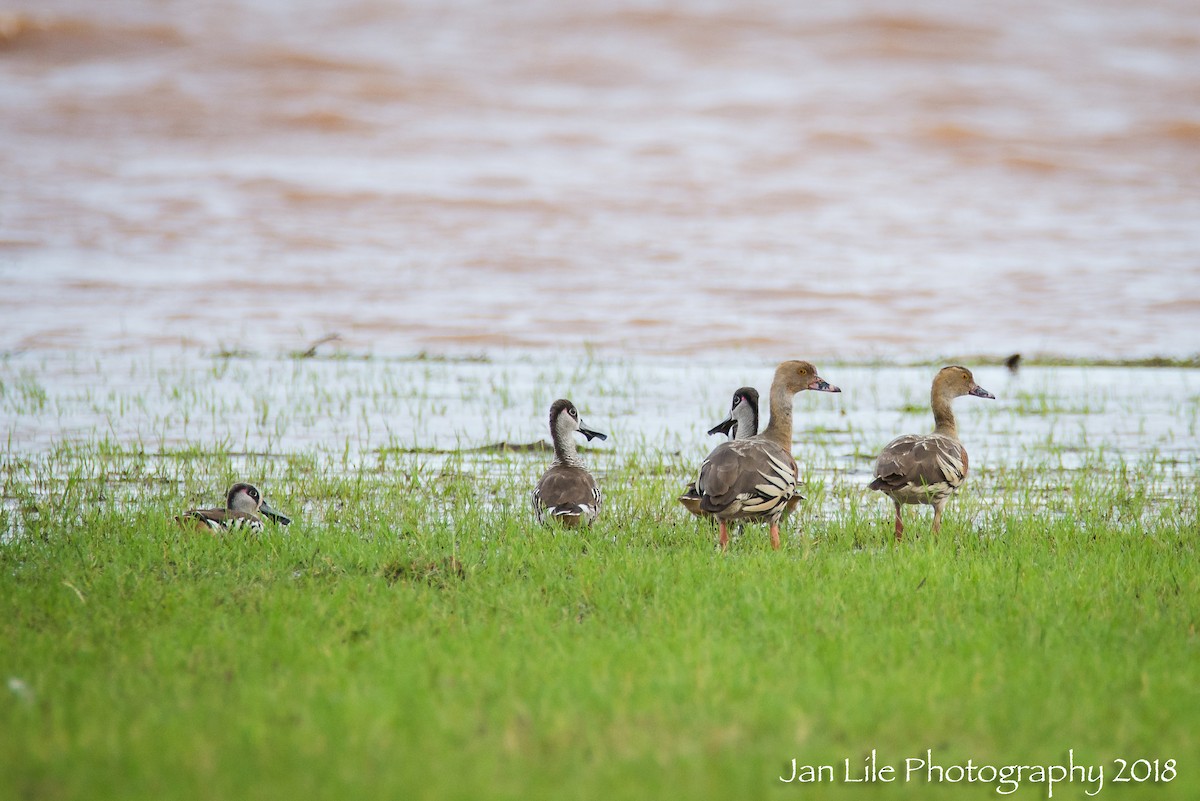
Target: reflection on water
[[840, 179]]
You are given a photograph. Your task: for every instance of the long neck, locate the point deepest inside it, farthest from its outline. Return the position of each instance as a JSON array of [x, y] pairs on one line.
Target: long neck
[[745, 421], [779, 428], [565, 451], [943, 415]]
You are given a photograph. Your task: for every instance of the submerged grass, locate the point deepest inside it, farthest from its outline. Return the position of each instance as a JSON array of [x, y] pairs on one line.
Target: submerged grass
[[414, 635]]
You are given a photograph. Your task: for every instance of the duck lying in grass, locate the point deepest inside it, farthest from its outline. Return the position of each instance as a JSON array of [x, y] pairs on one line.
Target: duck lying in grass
[[755, 478], [567, 492], [929, 468], [244, 509]]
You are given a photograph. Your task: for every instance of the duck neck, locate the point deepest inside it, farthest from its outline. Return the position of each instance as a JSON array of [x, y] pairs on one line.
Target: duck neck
[[746, 420], [779, 428], [943, 416], [566, 452]]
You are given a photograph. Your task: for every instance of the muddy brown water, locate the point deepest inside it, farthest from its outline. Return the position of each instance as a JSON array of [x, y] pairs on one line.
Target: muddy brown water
[[765, 178]]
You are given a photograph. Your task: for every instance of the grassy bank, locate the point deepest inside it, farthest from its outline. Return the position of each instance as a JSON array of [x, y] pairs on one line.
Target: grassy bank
[[413, 635]]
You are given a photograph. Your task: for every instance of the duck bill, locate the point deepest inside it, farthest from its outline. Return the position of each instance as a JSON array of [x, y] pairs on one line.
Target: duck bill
[[725, 427], [980, 392], [270, 513], [821, 385], [590, 434]]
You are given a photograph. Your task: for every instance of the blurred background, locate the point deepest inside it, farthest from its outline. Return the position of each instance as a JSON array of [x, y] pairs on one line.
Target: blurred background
[[861, 179]]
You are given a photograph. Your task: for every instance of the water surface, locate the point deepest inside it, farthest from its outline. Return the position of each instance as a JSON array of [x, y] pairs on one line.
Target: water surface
[[833, 180]]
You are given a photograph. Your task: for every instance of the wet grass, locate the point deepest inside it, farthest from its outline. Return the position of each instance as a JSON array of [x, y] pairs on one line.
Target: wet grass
[[414, 634]]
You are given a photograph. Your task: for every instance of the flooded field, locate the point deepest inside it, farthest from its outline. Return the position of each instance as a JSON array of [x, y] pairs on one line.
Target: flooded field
[[358, 407], [177, 423], [416, 620], [850, 180], [639, 205]]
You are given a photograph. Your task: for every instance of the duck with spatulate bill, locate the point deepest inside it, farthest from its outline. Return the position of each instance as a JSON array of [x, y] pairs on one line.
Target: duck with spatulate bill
[[742, 423], [244, 508], [929, 468], [567, 492], [755, 478]]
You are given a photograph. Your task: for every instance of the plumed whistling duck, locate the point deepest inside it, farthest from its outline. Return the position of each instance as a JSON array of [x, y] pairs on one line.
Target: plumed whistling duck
[[755, 478], [929, 468]]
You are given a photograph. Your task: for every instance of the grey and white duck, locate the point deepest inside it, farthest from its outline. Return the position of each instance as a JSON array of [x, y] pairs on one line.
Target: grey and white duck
[[755, 478], [245, 508], [742, 423], [567, 492], [929, 468]]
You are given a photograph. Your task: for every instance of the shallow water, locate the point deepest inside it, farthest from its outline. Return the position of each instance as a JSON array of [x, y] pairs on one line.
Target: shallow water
[[830, 180], [136, 428], [355, 410]]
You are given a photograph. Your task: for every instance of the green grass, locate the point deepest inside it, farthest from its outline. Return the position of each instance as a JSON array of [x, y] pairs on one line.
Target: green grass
[[414, 635]]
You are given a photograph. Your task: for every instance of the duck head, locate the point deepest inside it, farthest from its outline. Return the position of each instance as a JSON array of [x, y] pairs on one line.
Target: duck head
[[743, 415], [797, 376], [955, 381], [246, 498], [565, 421]]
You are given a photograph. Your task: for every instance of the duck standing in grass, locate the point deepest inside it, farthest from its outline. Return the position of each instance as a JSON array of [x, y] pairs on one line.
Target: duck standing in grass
[[244, 509], [742, 423], [567, 492], [755, 478], [929, 468]]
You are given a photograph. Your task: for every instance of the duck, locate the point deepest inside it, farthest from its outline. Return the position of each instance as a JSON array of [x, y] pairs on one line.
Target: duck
[[755, 478], [741, 423], [244, 508], [567, 493], [929, 468]]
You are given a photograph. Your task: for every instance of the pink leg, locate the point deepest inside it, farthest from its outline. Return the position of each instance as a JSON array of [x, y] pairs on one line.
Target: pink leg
[[775, 536], [899, 524], [724, 535], [937, 517]]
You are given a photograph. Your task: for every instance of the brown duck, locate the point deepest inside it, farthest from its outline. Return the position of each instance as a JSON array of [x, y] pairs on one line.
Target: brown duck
[[929, 468], [244, 509], [567, 492], [755, 478], [742, 423]]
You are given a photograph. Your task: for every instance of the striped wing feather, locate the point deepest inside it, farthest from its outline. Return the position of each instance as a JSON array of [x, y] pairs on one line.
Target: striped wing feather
[[747, 478], [920, 468], [221, 520]]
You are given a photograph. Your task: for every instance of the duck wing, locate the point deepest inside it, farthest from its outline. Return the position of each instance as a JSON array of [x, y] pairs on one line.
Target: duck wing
[[920, 461], [567, 491], [747, 477]]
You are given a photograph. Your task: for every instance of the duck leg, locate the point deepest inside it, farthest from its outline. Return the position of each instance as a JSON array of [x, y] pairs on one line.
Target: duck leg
[[937, 516], [724, 537], [775, 536], [899, 522]]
